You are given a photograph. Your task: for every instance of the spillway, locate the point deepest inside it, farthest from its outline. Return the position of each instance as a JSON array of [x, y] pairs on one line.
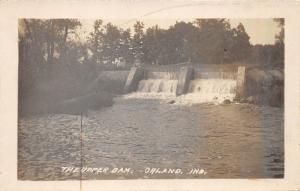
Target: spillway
[[205, 86]]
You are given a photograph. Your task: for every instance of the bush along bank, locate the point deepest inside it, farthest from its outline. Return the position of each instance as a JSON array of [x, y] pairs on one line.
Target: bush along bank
[[264, 87]]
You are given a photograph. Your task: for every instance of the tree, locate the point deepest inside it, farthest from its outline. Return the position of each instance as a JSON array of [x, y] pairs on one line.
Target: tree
[[167, 46], [126, 46], [138, 40], [63, 28], [278, 55], [280, 36], [47, 48], [111, 43], [95, 40], [212, 38], [181, 36], [240, 49], [48, 37]]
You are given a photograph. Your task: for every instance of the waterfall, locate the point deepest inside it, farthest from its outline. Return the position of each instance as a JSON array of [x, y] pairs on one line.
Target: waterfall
[[206, 86], [158, 86], [211, 90]]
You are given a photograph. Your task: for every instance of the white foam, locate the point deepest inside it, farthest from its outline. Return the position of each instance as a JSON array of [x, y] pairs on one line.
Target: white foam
[[158, 86], [211, 90], [200, 91]]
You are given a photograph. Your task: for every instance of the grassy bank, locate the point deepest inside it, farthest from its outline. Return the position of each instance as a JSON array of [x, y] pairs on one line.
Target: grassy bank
[[69, 91]]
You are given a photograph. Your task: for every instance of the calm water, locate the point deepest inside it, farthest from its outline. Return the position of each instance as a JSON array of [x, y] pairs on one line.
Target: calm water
[[227, 141]]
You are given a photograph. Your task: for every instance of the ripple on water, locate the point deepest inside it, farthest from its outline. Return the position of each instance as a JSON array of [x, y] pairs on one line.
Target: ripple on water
[[233, 141]]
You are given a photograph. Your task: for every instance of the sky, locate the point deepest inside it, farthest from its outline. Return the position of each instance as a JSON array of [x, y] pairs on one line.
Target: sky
[[261, 31]]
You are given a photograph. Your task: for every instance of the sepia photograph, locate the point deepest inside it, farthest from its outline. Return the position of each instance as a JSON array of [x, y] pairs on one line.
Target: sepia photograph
[[111, 99]]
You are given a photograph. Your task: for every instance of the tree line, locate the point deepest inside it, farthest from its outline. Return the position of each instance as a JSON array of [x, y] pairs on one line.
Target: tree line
[[206, 41]]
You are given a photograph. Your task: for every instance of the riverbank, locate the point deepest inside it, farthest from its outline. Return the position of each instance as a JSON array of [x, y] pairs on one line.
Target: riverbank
[[264, 87], [72, 97]]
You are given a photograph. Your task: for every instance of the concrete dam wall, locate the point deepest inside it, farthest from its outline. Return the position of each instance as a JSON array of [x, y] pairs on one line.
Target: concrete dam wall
[[205, 83], [240, 84]]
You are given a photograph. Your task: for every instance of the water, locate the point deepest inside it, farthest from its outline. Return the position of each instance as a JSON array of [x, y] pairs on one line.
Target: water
[[158, 86], [212, 90], [227, 141]]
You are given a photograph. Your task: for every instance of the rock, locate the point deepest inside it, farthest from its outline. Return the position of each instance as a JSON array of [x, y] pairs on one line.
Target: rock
[[277, 76], [171, 102], [226, 101], [276, 97], [243, 100], [250, 99], [256, 99]]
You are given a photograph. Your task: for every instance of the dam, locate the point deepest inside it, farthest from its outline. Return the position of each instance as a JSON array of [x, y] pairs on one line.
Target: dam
[[198, 84]]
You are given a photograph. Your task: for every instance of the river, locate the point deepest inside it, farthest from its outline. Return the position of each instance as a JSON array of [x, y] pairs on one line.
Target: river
[[227, 141]]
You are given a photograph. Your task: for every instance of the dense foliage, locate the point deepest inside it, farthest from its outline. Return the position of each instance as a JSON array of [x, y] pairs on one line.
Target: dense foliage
[[206, 41]]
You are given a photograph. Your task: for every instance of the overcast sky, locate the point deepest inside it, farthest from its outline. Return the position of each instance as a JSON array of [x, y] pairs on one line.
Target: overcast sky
[[261, 31]]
